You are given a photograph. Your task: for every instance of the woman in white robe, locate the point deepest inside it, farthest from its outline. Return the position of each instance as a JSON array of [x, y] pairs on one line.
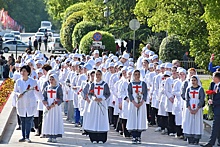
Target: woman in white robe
[[97, 123], [193, 123], [53, 121], [137, 112], [26, 106]]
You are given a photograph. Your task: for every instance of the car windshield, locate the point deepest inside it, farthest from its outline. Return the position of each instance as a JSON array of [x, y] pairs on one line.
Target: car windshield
[[9, 35], [42, 30], [16, 33], [39, 34], [45, 24]]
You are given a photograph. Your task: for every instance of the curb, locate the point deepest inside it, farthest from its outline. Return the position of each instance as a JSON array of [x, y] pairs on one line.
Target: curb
[[5, 116]]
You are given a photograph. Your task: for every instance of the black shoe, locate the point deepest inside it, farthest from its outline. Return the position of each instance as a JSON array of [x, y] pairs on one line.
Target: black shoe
[[207, 145], [22, 140], [218, 144], [134, 141], [19, 128], [32, 130]]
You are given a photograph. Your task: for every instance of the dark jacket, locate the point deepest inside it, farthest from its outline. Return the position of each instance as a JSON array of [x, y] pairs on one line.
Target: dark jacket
[[216, 99]]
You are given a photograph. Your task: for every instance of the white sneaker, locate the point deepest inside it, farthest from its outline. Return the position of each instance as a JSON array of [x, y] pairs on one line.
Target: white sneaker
[[163, 132], [49, 140], [94, 142], [171, 134], [158, 129], [54, 140], [100, 142]]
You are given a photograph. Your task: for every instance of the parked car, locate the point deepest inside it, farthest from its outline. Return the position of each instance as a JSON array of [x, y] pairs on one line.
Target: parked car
[[17, 35], [8, 36], [10, 45], [39, 34], [55, 45]]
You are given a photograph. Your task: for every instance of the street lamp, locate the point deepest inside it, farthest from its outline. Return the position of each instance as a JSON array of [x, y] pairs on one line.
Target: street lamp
[[106, 11]]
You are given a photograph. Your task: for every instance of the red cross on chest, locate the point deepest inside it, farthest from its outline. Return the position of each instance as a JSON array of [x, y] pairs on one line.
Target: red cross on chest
[[136, 88], [194, 93], [99, 88], [51, 93]]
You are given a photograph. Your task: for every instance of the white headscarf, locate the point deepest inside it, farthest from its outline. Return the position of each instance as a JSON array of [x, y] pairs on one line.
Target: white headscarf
[[132, 76], [199, 82], [55, 78]]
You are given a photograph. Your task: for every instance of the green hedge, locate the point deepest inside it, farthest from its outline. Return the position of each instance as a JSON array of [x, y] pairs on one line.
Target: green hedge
[[67, 29], [81, 29], [107, 40], [171, 48]]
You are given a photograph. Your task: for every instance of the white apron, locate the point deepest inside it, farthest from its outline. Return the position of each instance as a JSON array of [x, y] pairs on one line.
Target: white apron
[[163, 98], [193, 123], [52, 120], [97, 114], [137, 118]]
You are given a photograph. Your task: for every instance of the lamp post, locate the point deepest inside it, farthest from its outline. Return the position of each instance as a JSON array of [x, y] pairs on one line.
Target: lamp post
[[106, 11]]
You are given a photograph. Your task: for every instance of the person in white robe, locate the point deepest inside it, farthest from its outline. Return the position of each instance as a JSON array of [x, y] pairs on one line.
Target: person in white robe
[[193, 123], [26, 101], [137, 120], [53, 121], [97, 123], [177, 104]]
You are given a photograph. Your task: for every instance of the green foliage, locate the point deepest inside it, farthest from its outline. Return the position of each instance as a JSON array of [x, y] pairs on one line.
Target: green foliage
[[73, 8], [67, 29], [183, 18], [82, 29], [171, 48], [107, 40], [26, 13]]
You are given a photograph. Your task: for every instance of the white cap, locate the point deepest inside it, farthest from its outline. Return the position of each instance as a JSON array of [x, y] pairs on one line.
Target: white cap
[[162, 65], [111, 65], [144, 49], [17, 65], [115, 58], [96, 52], [126, 56], [147, 52], [124, 68], [97, 60], [168, 65], [91, 62], [39, 71], [182, 70], [151, 53], [58, 59], [168, 73], [40, 62], [151, 65], [131, 64], [154, 57], [158, 67]]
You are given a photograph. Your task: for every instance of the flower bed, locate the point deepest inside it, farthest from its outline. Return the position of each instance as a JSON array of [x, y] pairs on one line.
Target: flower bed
[[6, 88]]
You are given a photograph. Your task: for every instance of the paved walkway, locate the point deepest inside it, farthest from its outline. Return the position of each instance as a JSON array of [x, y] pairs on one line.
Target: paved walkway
[[73, 138]]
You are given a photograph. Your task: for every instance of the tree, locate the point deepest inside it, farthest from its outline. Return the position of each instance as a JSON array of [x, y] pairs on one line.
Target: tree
[[27, 14], [73, 8], [107, 40], [183, 18], [81, 29], [171, 48], [67, 29]]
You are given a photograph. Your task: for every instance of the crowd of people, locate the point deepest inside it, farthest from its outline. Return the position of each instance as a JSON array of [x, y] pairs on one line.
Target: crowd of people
[[98, 92]]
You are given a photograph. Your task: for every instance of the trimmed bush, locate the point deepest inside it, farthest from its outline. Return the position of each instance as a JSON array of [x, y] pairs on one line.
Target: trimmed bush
[[171, 48], [107, 40], [81, 29], [73, 8], [67, 29]]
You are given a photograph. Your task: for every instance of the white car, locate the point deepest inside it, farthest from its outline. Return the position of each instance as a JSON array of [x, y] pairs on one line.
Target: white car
[[39, 34], [17, 35], [55, 45], [11, 45], [8, 36]]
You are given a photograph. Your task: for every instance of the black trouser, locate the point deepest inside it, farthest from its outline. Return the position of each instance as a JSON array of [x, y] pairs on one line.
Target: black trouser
[[171, 123], [215, 130], [135, 134], [179, 130], [153, 114], [118, 124], [125, 131], [115, 120], [40, 121], [19, 120], [98, 137], [148, 112], [36, 123], [163, 122], [110, 115]]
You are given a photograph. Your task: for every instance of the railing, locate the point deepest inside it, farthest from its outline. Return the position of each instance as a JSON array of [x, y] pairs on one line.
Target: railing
[[192, 64]]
